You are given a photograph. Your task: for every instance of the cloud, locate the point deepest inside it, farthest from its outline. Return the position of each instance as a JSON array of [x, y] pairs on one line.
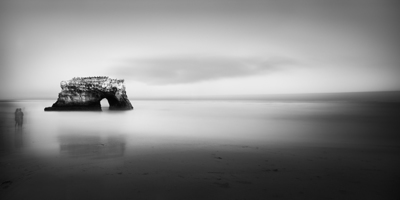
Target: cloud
[[159, 71]]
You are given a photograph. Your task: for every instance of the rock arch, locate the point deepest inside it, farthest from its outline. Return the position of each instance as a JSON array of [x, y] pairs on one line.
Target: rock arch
[[85, 93]]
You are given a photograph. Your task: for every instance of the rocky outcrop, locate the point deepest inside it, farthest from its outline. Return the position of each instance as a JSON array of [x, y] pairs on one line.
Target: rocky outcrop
[[85, 93]]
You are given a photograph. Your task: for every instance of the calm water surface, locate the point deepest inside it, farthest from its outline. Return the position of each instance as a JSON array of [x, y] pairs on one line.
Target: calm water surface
[[171, 123]]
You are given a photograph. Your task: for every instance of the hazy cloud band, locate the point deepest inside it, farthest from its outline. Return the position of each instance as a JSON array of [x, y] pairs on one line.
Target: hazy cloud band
[[190, 70]]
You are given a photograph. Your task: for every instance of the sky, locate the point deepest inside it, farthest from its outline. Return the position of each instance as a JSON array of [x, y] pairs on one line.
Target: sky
[[193, 48]]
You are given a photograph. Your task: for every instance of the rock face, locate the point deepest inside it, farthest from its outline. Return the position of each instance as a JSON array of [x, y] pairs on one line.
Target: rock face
[[85, 93]]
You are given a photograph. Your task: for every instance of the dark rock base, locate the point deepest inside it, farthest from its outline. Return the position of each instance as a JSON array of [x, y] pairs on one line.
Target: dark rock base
[[72, 109]]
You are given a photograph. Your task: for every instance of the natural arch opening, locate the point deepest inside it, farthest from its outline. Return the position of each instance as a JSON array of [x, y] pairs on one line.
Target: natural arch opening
[[109, 101], [104, 103]]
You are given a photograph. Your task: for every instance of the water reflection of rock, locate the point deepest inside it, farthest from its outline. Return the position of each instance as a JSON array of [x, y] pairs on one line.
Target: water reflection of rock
[[18, 138], [92, 146]]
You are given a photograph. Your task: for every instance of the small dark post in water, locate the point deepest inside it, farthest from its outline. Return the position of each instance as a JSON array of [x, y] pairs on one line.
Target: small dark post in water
[[19, 117]]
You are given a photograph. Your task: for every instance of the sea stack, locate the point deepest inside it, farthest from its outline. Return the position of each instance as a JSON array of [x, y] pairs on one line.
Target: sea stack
[[85, 93]]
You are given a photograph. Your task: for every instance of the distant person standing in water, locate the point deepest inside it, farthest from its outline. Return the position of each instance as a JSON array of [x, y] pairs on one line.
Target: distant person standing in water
[[19, 117]]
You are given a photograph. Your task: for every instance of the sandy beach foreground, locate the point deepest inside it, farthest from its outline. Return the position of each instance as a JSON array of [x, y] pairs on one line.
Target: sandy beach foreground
[[208, 172], [350, 159]]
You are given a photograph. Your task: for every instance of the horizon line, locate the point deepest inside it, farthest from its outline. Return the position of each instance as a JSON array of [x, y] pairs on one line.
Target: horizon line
[[392, 95]]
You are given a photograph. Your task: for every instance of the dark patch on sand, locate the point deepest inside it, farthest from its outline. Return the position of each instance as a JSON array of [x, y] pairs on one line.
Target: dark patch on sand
[[222, 185], [6, 184], [270, 170]]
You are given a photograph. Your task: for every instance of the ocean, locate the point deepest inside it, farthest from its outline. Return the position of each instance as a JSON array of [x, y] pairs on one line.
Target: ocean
[[192, 128]]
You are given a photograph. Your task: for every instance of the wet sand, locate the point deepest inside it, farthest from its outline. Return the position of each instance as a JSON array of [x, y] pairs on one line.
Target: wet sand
[[209, 172], [79, 166]]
